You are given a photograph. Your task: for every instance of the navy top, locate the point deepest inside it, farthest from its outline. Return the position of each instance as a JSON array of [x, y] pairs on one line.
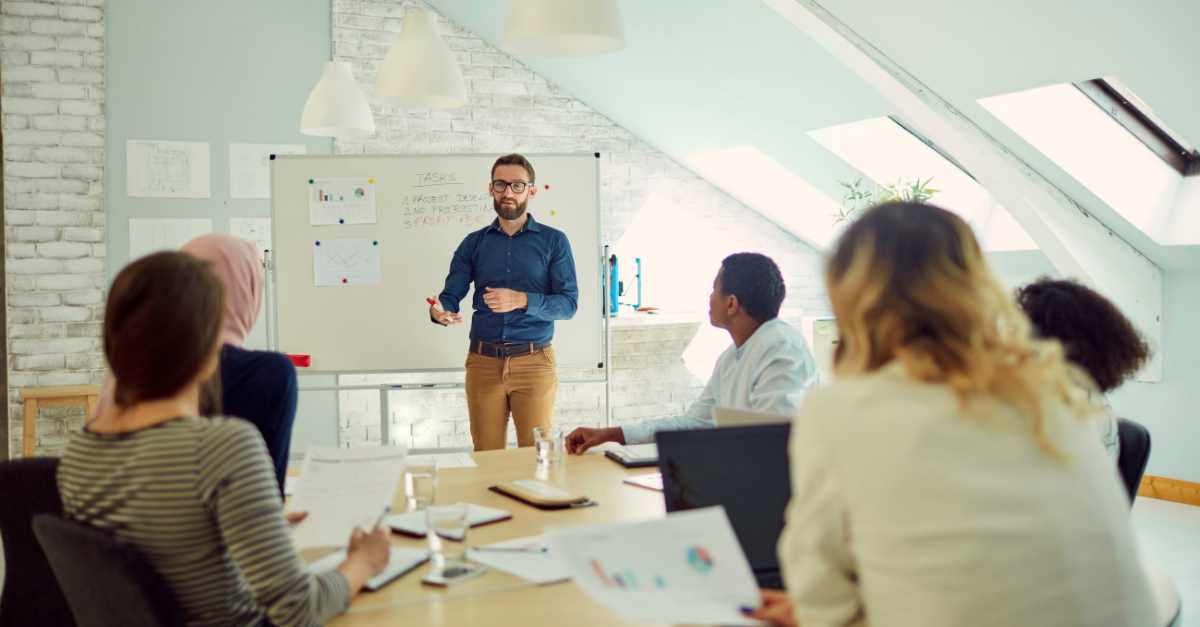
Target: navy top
[[536, 260], [260, 387]]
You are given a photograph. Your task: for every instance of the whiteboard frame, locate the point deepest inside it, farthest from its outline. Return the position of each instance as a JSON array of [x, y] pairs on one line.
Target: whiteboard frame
[[605, 335]]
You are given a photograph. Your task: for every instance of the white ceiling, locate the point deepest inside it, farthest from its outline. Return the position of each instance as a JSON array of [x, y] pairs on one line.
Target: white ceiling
[[701, 75]]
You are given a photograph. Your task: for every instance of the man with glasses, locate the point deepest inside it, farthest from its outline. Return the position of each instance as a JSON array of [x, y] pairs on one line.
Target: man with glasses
[[524, 276]]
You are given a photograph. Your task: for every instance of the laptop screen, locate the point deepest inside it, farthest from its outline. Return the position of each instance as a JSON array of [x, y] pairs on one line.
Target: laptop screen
[[743, 468]]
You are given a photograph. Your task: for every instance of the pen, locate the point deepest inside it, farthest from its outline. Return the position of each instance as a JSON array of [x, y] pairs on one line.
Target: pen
[[386, 510], [435, 305], [541, 549]]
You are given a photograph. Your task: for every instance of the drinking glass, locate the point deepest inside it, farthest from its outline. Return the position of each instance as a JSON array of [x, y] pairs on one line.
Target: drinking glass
[[551, 445], [446, 530], [420, 483]]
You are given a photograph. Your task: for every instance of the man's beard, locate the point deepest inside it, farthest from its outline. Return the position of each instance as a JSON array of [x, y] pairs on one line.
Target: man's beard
[[509, 214]]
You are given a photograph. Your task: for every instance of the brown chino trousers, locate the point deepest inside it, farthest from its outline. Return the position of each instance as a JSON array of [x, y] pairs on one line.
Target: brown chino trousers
[[525, 385]]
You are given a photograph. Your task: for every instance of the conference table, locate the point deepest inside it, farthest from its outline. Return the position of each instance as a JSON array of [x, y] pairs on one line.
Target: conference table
[[497, 598]]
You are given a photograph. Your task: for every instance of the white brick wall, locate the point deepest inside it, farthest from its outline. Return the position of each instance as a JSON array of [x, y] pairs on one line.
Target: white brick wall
[[52, 71], [512, 109]]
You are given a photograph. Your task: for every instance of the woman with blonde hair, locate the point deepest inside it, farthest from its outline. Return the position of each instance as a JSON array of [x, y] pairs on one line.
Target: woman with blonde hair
[[948, 476]]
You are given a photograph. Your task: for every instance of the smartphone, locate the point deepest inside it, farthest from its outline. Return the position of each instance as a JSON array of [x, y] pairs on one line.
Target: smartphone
[[454, 574]]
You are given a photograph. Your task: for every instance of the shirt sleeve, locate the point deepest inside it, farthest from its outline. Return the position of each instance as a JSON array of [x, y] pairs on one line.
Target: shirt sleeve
[[459, 279], [698, 416], [238, 485], [786, 373], [563, 299], [818, 566]]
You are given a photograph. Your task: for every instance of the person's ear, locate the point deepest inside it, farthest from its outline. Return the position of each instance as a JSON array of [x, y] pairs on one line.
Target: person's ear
[[491, 190], [732, 305], [532, 191]]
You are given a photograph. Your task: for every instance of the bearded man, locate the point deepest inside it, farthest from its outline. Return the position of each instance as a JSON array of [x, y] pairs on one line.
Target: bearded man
[[524, 277]]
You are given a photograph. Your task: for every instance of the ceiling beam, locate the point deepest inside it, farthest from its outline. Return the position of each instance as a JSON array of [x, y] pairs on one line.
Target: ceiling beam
[[1078, 244]]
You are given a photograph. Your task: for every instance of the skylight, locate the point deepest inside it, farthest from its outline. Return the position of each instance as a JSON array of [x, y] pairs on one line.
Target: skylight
[[886, 153], [764, 185], [1084, 140]]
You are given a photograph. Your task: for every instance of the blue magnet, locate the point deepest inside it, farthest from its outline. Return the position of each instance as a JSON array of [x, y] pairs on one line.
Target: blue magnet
[[341, 221], [318, 243]]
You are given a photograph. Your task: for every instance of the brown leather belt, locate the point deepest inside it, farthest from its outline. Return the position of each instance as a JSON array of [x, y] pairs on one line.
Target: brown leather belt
[[500, 351]]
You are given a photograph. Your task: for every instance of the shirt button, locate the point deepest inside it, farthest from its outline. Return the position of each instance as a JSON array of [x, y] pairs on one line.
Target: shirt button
[[508, 270]]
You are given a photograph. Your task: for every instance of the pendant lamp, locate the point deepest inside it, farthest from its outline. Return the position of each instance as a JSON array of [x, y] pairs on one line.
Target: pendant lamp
[[337, 107], [419, 71], [562, 28]]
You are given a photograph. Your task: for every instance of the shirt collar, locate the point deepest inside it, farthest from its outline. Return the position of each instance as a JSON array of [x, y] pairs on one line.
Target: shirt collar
[[530, 225], [761, 330]]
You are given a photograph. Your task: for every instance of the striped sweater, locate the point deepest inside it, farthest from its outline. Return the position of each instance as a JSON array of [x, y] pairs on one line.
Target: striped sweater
[[198, 499]]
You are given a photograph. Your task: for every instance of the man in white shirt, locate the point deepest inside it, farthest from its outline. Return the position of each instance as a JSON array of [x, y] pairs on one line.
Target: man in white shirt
[[767, 369]]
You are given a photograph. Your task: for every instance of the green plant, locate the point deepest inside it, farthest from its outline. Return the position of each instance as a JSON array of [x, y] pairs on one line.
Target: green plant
[[859, 197]]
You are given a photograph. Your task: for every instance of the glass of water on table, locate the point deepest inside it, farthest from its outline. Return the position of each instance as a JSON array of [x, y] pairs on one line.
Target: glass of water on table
[[420, 482], [551, 445], [446, 530]]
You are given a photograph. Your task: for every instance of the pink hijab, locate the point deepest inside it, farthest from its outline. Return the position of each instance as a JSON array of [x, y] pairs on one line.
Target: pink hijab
[[240, 270]]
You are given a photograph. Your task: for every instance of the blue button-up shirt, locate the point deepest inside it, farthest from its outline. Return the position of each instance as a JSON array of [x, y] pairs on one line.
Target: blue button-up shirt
[[536, 260]]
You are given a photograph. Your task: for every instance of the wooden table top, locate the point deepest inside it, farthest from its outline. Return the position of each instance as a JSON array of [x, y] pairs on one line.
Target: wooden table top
[[498, 598]]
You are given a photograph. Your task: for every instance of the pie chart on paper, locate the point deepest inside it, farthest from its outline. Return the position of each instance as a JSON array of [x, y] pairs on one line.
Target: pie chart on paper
[[359, 192]]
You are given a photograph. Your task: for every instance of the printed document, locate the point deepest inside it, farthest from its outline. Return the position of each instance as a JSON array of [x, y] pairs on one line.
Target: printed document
[[344, 488], [341, 201], [163, 169], [527, 558], [346, 262], [685, 569], [250, 167]]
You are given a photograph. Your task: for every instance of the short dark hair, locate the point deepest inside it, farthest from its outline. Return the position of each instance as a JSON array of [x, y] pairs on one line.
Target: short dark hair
[[757, 283], [514, 159], [1093, 333], [161, 325]]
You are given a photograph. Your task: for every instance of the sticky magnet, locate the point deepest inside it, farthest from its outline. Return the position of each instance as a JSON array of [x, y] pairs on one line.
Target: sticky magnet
[[318, 243], [375, 243], [370, 180], [343, 280], [547, 187], [553, 213], [341, 221], [310, 181]]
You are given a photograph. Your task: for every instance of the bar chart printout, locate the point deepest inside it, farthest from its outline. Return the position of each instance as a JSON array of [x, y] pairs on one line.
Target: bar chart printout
[[346, 262], [685, 569], [341, 201]]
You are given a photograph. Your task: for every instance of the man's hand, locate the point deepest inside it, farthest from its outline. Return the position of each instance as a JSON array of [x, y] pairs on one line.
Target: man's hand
[[583, 439], [502, 299], [776, 609], [444, 318]]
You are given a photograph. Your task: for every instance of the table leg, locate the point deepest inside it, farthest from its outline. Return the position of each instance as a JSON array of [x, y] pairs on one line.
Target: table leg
[[31, 405]]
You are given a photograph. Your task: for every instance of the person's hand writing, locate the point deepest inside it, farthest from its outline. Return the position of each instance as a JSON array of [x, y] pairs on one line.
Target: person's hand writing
[[372, 547], [502, 299], [776, 609], [444, 318], [582, 439]]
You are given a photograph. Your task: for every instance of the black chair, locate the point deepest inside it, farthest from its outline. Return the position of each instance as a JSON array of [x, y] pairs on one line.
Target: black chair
[[31, 594], [107, 584], [1135, 453]]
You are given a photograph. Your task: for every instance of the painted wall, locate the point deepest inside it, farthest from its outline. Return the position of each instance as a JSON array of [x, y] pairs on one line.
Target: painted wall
[[219, 71]]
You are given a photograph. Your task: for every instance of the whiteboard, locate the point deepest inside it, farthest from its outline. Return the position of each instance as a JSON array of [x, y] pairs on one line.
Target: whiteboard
[[426, 205]]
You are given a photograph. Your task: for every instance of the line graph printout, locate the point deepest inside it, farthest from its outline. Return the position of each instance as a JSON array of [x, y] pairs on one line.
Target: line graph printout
[[257, 230], [346, 262], [250, 167], [162, 169], [341, 201]]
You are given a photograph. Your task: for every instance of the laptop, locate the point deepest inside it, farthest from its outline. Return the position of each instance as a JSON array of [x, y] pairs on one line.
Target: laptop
[[730, 417], [744, 469]]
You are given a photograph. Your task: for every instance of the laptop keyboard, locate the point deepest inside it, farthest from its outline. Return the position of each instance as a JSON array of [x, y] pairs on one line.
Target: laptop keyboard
[[769, 581]]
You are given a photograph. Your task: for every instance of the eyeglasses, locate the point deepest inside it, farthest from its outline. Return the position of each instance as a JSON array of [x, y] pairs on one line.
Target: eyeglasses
[[518, 187]]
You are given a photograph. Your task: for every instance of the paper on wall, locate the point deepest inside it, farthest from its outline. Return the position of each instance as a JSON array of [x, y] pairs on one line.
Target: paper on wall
[[153, 235], [346, 262], [164, 169], [257, 230], [250, 167], [341, 201], [687, 568], [342, 489]]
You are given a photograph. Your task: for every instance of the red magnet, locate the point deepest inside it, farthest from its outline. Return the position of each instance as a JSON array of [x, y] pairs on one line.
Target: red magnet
[[547, 187], [343, 280]]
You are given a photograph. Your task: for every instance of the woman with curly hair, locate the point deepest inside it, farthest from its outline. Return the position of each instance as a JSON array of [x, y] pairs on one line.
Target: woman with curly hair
[[947, 477], [1094, 335]]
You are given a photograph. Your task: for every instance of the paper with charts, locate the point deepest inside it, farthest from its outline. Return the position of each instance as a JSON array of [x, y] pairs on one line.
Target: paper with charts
[[250, 167], [257, 230], [162, 169], [344, 488], [346, 262], [685, 569], [154, 235], [341, 201]]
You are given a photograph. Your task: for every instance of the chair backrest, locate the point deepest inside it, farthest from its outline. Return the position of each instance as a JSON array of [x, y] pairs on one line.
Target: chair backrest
[[31, 594], [107, 584], [1134, 455]]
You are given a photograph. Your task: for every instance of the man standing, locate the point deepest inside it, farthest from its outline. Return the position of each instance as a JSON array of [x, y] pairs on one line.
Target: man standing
[[524, 276], [767, 369]]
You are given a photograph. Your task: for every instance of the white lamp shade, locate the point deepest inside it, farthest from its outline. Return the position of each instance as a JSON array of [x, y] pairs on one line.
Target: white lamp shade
[[562, 28], [337, 107], [419, 71]]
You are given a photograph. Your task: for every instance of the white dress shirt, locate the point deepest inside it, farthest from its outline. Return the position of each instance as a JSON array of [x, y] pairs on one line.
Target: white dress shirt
[[905, 512], [769, 373]]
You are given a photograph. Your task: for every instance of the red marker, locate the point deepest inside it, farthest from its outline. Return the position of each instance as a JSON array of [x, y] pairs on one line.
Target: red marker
[[435, 305]]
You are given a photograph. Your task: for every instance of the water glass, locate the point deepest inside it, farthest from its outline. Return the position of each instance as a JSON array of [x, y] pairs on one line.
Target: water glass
[[551, 443], [446, 530], [420, 483]]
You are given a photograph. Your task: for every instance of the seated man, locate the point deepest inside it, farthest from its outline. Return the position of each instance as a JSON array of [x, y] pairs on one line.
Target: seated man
[[767, 369]]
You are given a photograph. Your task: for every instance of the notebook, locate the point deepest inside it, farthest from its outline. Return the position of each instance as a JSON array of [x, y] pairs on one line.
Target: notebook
[[634, 455], [650, 481], [413, 523], [401, 561]]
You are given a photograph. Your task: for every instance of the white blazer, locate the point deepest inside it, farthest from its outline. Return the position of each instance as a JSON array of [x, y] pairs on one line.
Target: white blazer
[[906, 512]]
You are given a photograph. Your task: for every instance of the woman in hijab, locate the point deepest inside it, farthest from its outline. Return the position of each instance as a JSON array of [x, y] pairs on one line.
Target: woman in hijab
[[258, 386]]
